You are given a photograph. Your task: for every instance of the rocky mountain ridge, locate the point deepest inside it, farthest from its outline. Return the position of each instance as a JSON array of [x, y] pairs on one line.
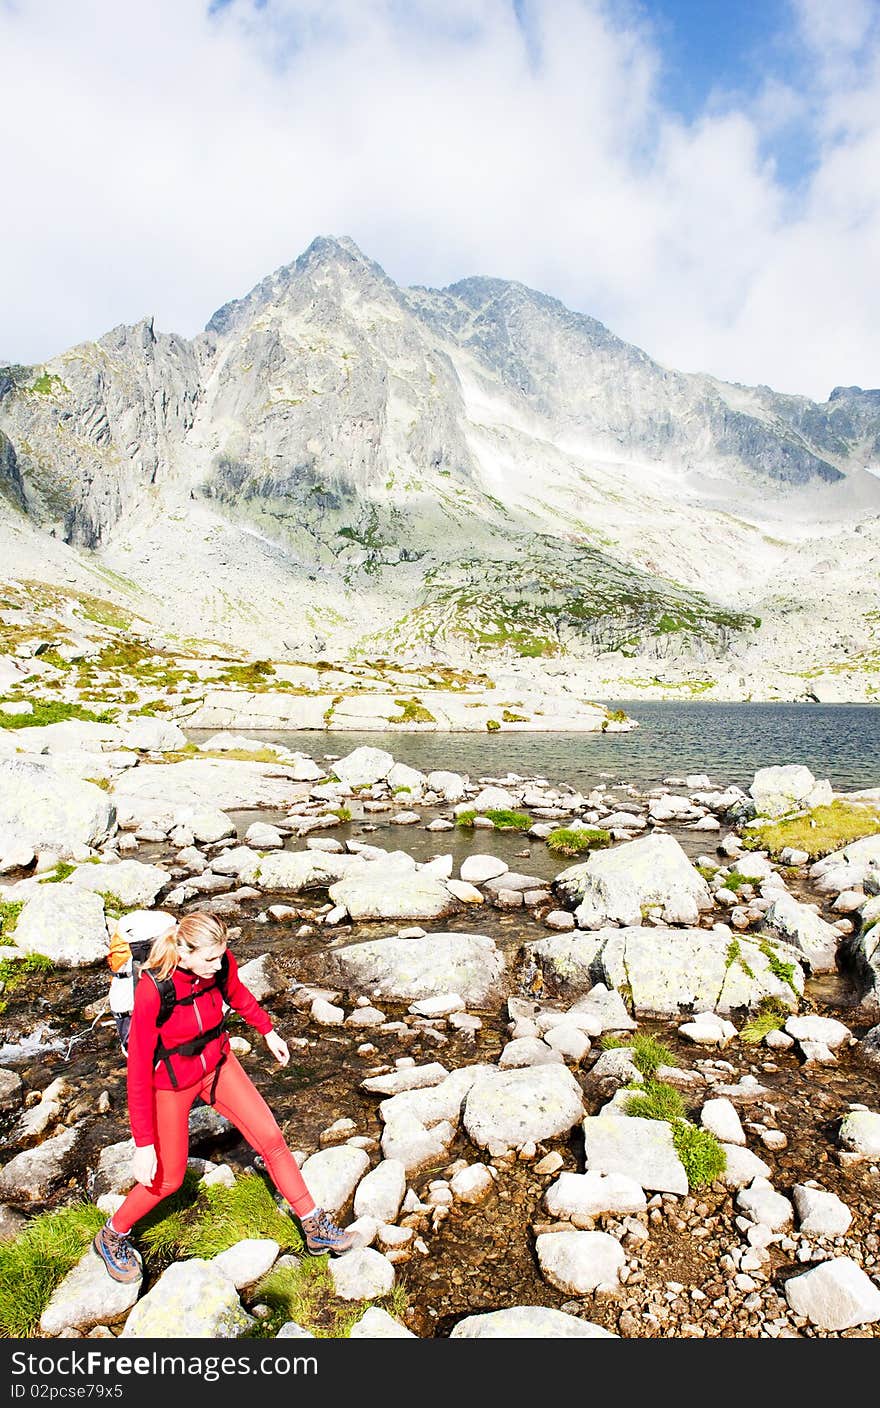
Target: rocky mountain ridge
[[338, 467]]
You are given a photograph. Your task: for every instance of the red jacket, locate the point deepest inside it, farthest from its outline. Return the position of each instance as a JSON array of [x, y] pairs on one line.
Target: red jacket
[[145, 1074]]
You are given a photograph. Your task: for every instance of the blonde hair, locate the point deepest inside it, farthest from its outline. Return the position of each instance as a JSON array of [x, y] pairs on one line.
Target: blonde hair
[[193, 932]]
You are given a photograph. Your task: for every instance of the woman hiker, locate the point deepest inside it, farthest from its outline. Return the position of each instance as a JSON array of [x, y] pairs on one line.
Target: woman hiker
[[173, 1061]]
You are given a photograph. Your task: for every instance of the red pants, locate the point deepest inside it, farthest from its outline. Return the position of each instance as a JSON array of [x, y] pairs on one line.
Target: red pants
[[236, 1097]]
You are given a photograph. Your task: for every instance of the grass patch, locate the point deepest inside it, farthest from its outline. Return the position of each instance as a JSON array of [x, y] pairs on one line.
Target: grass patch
[[818, 832], [465, 818], [734, 954], [253, 675], [61, 872], [646, 1052], [658, 1101], [505, 820], [412, 712], [344, 813], [54, 711], [574, 840], [778, 967], [206, 1221], [114, 907], [305, 1294], [771, 1016], [13, 972], [36, 1262], [9, 912], [703, 1158], [735, 881]]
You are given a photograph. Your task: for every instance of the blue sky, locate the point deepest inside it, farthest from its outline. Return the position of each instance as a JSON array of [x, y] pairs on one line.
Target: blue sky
[[704, 178]]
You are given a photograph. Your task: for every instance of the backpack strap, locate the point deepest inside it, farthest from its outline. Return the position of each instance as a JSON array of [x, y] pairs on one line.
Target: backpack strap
[[168, 1000]]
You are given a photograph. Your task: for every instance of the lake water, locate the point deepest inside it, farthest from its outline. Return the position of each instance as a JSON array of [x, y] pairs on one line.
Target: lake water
[[729, 742]]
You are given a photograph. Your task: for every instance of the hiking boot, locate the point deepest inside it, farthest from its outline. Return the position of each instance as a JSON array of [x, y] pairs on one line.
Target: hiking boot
[[323, 1235], [118, 1255]]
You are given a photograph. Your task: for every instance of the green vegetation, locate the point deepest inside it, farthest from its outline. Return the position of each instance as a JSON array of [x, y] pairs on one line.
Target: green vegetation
[[114, 907], [205, 1221], [703, 1158], [573, 841], [252, 676], [504, 820], [53, 712], [701, 1154], [412, 712], [818, 832], [305, 1294], [735, 881], [509, 717], [13, 972], [770, 1017], [734, 954], [646, 1052], [36, 1262], [61, 872], [492, 725], [783, 971], [49, 384], [657, 1101], [465, 818], [9, 912], [344, 813]]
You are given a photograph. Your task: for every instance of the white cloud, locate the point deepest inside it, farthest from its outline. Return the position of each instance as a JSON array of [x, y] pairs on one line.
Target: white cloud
[[164, 160]]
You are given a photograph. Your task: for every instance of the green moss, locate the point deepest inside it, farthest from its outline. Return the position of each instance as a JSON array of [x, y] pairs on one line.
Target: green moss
[[465, 818], [509, 717], [34, 1264], [344, 813], [573, 841], [492, 725]]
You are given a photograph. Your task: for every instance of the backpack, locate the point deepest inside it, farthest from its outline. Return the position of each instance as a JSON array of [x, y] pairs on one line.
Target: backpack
[[130, 944]]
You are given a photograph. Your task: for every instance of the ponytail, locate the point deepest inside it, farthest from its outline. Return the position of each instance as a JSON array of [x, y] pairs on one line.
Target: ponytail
[[163, 956], [193, 932]]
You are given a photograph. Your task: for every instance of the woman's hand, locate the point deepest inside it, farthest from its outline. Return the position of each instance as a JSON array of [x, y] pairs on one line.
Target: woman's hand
[[278, 1046], [143, 1164]]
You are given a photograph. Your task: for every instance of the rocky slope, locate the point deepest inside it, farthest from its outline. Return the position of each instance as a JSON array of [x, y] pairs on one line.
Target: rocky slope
[[339, 467]]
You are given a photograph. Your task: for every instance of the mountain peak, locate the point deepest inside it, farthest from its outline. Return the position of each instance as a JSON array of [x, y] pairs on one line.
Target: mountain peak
[[326, 252]]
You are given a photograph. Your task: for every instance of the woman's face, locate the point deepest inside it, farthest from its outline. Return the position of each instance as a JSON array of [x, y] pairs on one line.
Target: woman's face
[[202, 962]]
